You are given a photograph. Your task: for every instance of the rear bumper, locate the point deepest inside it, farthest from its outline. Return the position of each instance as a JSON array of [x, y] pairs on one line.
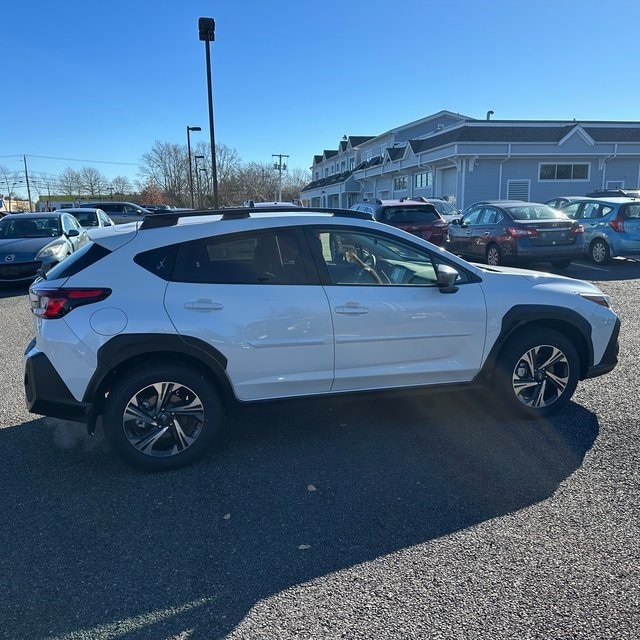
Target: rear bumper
[[559, 252], [46, 394], [610, 357]]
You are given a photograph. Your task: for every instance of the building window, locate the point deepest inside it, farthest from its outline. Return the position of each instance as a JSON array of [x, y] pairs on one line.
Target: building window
[[422, 180], [564, 171], [400, 183], [352, 163], [343, 166], [368, 154], [326, 172]]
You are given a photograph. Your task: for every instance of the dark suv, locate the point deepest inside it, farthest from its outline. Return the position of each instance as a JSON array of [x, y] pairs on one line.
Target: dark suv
[[503, 231], [420, 218], [120, 212]]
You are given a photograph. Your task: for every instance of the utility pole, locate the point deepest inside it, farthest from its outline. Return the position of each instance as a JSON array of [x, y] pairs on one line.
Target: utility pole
[[26, 175], [279, 166]]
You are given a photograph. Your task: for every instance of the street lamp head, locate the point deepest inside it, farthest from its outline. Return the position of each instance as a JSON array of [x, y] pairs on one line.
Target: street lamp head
[[206, 29], [199, 157], [194, 128]]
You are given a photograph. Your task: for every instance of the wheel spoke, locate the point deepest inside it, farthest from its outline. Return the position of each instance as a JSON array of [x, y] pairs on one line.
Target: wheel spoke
[[163, 391], [147, 443], [181, 439], [558, 382], [555, 357], [194, 408], [135, 412]]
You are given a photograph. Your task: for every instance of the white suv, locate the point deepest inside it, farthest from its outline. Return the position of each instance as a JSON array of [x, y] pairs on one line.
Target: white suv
[[159, 326]]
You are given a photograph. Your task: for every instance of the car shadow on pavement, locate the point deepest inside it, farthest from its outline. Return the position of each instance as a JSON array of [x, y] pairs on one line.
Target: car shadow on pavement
[[293, 493]]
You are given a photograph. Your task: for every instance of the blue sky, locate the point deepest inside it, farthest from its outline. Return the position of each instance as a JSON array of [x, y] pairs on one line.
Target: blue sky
[[97, 83]]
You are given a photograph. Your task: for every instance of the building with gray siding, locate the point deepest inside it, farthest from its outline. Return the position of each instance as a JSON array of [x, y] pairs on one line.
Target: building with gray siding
[[465, 160]]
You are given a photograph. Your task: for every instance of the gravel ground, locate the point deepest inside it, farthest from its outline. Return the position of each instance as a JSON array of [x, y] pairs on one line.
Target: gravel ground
[[359, 520]]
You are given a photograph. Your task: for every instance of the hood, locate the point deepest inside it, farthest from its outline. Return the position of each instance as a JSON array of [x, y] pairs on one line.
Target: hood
[[18, 247], [539, 278]]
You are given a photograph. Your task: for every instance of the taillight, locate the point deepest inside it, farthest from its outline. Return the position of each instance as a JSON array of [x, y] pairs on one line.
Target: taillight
[[518, 232], [577, 229], [56, 303], [617, 224]]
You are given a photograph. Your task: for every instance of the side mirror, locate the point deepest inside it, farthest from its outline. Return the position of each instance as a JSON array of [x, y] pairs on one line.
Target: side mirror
[[447, 277], [73, 233], [455, 221]]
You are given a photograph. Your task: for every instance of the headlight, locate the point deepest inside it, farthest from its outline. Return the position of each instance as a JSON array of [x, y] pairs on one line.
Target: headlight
[[598, 298], [52, 250]]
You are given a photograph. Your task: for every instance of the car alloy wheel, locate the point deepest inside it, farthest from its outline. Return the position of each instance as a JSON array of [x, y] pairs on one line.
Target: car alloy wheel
[[538, 372], [600, 253], [494, 258], [164, 419]]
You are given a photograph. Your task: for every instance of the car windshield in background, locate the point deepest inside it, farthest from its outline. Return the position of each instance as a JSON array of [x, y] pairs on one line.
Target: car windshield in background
[[541, 212], [443, 207], [29, 228], [87, 219]]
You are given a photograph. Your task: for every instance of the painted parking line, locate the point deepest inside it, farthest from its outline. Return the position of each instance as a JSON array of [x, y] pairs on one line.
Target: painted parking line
[[589, 266]]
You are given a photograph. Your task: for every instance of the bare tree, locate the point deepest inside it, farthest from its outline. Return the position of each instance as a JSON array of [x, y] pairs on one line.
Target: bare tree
[[293, 183], [92, 181], [121, 185], [69, 182], [9, 181], [166, 165]]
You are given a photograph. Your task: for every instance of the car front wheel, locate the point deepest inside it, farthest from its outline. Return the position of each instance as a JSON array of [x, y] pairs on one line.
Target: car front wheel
[[162, 417], [537, 373]]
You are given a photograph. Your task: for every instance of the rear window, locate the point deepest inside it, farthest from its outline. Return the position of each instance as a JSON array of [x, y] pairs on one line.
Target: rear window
[[87, 255], [409, 215], [537, 212]]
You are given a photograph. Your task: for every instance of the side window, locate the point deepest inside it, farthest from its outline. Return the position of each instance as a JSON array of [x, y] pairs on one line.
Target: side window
[[571, 210], [67, 224], [488, 216], [590, 210], [356, 257], [260, 257], [472, 217]]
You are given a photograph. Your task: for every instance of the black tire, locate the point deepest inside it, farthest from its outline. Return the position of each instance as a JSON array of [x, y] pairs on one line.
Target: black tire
[[599, 251], [162, 417], [560, 264], [493, 255], [537, 373]]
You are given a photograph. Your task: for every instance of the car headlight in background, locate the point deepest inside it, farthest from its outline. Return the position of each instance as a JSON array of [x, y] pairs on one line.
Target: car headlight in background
[[53, 250]]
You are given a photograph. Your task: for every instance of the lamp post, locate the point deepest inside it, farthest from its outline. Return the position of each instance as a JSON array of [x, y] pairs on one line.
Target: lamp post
[[207, 33], [198, 170], [189, 130]]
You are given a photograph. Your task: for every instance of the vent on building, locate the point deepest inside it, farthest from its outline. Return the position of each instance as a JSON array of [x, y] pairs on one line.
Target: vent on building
[[518, 190]]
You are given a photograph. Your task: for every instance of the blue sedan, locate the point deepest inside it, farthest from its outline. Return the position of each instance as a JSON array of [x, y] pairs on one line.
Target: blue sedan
[[32, 243]]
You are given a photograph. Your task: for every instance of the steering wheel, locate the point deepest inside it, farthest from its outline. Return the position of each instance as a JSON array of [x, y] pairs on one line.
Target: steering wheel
[[365, 266]]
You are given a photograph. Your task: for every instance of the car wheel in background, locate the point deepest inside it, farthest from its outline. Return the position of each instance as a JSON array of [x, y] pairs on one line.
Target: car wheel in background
[[599, 251], [162, 416], [493, 255], [537, 372]]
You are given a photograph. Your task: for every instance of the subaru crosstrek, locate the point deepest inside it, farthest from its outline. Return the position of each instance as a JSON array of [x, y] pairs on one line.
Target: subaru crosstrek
[[158, 327]]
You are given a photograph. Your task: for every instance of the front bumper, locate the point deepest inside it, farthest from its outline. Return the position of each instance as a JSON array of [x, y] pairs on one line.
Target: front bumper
[[610, 357], [46, 394]]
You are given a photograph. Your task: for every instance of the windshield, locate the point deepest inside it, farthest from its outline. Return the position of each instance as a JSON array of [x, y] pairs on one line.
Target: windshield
[[29, 228], [444, 207], [536, 212], [409, 215], [87, 218]]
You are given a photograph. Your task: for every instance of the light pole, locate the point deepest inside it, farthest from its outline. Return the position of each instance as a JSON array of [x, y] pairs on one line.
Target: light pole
[[207, 33], [279, 166], [189, 130], [196, 158]]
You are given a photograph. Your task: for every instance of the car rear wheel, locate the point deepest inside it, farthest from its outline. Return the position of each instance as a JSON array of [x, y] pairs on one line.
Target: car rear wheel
[[537, 373], [493, 255], [162, 417], [600, 252]]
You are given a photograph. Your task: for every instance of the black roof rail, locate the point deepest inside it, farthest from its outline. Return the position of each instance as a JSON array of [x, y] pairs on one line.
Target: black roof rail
[[170, 218]]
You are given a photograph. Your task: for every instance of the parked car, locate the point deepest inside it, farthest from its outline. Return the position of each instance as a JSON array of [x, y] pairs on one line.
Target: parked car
[[561, 201], [611, 226], [242, 306], [35, 242], [120, 212], [419, 218], [443, 207], [505, 231], [90, 217], [156, 207]]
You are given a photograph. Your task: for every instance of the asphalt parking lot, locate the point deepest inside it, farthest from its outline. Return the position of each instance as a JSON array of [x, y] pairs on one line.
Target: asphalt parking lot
[[420, 518]]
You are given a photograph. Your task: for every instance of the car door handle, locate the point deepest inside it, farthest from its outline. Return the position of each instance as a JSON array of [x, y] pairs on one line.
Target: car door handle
[[352, 308], [203, 305]]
